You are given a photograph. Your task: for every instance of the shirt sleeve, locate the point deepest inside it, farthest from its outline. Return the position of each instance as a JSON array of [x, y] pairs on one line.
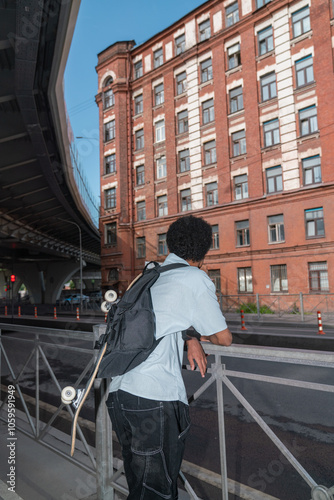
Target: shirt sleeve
[[207, 316]]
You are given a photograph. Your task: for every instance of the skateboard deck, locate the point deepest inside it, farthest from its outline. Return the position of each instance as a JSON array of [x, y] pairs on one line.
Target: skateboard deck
[[77, 398]]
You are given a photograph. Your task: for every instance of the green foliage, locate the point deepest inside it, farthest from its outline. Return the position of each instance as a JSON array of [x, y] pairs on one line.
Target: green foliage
[[251, 308]]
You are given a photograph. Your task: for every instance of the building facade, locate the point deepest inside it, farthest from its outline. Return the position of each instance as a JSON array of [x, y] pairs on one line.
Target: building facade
[[227, 114]]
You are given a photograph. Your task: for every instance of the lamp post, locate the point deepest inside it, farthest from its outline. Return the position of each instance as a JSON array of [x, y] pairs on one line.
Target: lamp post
[[80, 244]]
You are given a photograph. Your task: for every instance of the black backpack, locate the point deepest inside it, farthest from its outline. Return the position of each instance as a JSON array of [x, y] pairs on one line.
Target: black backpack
[[130, 332]]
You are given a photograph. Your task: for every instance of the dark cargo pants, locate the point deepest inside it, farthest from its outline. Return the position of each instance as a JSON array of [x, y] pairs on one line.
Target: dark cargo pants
[[152, 436]]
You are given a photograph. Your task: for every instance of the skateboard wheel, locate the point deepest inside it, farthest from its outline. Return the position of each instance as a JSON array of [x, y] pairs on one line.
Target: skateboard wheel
[[110, 296], [105, 306], [68, 394]]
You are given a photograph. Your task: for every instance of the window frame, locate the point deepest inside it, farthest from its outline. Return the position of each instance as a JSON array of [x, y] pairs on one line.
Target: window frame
[[180, 46], [318, 221], [138, 69], [109, 131], [185, 200], [184, 159], [110, 198], [311, 169], [162, 205], [139, 139], [275, 181], [204, 30], [304, 28], [234, 56], [215, 237], [160, 130], [181, 84], [235, 98], [303, 70], [110, 160], [272, 132], [110, 233], [267, 41], [108, 99], [281, 276], [231, 14], [276, 227], [242, 233], [158, 58], [159, 94], [140, 247], [208, 111], [182, 122], [211, 194], [272, 94], [241, 185], [206, 71], [247, 275], [141, 210], [316, 274], [161, 167], [138, 104], [162, 244], [311, 121], [238, 143], [140, 175]]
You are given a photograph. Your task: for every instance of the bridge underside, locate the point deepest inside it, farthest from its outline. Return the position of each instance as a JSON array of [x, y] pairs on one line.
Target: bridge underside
[[42, 216]]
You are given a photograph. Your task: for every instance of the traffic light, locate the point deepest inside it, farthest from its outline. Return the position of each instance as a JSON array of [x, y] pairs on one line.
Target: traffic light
[[12, 278]]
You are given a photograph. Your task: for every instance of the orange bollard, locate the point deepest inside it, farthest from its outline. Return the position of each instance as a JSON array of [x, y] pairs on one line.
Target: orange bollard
[[6, 311], [242, 321], [78, 317], [320, 329], [35, 312], [19, 311], [54, 313]]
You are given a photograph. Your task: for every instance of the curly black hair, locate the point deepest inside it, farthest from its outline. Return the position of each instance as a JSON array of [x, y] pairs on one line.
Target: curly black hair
[[189, 238]]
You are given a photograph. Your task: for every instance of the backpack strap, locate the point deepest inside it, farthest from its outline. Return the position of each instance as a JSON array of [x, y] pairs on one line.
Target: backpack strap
[[169, 267]]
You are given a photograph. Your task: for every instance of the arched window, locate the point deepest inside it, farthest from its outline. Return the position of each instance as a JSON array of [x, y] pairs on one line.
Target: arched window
[[109, 80], [108, 95], [113, 275]]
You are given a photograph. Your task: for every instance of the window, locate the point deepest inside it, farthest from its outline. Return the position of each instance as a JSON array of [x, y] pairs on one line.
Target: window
[[110, 164], [181, 83], [279, 278], [211, 192], [182, 122], [206, 70], [108, 98], [314, 222], [141, 247], [214, 275], [204, 30], [240, 187], [233, 56], [109, 131], [318, 277], [232, 14], [138, 104], [245, 280], [158, 58], [304, 71], [185, 198], [141, 210], [159, 97], [180, 44], [140, 175], [308, 120], [271, 133], [261, 3], [208, 111], [162, 208], [274, 179], [242, 233], [110, 198], [162, 244], [184, 160], [138, 66], [113, 275], [161, 167], [215, 237], [265, 40], [110, 234], [268, 86], [210, 153], [236, 99], [160, 130], [239, 143], [139, 138], [301, 21], [311, 170], [276, 228]]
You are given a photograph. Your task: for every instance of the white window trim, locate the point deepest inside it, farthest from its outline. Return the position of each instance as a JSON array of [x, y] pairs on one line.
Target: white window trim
[[232, 42]]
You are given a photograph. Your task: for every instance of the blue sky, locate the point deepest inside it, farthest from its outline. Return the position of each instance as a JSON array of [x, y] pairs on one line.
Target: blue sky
[[101, 23]]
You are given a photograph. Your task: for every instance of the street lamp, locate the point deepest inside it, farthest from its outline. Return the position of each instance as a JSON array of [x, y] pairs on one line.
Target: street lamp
[[80, 243]]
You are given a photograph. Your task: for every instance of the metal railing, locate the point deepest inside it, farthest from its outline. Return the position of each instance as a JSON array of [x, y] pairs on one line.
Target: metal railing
[[303, 305], [46, 343]]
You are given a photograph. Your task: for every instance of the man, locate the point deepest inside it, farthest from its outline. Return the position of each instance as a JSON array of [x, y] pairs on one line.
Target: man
[[148, 406]]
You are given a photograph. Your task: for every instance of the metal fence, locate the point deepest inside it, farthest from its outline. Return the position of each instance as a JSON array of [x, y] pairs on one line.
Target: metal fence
[[301, 305], [261, 367]]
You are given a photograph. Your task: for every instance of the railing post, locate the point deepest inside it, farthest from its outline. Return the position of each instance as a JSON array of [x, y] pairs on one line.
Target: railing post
[[258, 306], [218, 368], [103, 434], [37, 384], [301, 301]]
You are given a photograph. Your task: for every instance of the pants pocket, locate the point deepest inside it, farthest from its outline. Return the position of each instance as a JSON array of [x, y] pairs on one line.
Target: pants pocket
[[146, 429]]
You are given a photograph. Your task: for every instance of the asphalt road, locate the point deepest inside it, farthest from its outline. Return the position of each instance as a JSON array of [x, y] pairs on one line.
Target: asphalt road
[[301, 418]]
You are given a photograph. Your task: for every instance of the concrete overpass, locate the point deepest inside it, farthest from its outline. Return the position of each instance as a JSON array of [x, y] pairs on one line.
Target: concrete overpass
[[45, 205]]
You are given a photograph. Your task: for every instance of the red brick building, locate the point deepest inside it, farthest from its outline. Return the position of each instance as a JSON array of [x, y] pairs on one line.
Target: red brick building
[[227, 114]]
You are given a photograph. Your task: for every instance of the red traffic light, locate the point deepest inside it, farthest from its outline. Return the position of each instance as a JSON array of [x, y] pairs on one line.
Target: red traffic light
[[12, 278]]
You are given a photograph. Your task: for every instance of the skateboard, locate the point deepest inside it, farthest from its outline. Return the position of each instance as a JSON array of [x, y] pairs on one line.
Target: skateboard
[[77, 398]]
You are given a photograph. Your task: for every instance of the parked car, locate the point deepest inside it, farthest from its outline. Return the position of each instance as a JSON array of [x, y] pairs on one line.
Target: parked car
[[75, 299]]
